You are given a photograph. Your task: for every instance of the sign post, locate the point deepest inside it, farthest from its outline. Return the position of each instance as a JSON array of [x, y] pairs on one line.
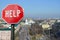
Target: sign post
[[12, 14], [12, 32]]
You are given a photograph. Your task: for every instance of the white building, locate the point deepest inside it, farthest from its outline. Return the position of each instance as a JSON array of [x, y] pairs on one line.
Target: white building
[[28, 22]]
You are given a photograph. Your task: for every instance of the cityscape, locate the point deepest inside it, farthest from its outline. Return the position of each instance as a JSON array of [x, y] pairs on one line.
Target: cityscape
[[32, 29], [30, 20]]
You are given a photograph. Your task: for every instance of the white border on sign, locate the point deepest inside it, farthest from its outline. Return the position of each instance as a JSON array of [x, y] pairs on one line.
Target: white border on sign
[[16, 22]]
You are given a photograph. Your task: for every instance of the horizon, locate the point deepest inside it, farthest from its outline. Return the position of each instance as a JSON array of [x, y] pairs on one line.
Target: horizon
[[43, 9]]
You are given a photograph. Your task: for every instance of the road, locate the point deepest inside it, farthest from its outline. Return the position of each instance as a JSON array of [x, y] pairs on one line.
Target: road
[[24, 33]]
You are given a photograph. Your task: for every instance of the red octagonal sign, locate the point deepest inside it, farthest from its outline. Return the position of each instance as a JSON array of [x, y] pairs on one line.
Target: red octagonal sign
[[12, 14]]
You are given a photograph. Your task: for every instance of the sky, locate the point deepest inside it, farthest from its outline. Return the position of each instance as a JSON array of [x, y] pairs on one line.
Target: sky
[[35, 8]]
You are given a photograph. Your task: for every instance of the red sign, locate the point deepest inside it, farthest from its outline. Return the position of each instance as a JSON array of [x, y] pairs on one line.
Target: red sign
[[12, 14]]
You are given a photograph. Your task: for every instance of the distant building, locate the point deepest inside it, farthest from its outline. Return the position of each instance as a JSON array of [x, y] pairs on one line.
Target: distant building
[[45, 26], [27, 22], [58, 20]]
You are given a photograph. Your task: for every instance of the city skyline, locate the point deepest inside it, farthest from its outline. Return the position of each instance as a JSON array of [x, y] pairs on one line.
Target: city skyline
[[36, 8]]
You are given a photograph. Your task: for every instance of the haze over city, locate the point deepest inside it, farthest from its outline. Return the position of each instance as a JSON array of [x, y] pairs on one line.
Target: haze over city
[[35, 8], [41, 20]]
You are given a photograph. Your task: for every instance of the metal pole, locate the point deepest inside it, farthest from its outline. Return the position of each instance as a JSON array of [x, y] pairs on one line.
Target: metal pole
[[12, 32]]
